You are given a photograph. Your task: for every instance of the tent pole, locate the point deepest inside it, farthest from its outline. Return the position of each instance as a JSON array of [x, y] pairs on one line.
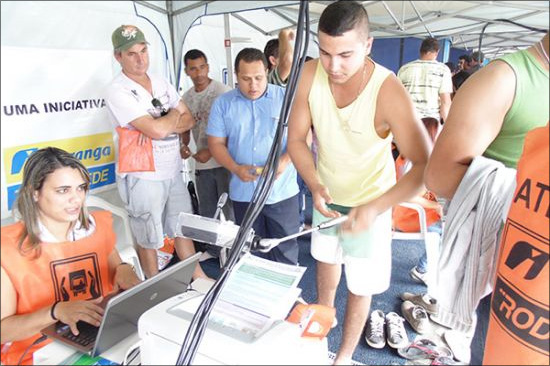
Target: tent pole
[[227, 44], [171, 28]]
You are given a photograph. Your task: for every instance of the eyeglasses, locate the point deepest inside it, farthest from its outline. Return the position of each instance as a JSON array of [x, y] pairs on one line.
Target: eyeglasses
[[157, 104]]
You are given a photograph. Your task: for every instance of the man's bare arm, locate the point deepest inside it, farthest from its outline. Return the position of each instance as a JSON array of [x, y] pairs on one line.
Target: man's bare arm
[[298, 148], [396, 109], [286, 53], [186, 121], [474, 120], [178, 120], [299, 126]]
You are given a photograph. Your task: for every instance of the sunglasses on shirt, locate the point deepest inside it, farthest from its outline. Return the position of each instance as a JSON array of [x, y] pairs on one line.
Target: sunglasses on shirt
[[157, 104]]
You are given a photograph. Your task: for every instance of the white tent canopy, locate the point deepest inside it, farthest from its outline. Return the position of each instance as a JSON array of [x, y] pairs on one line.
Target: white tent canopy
[[459, 21]]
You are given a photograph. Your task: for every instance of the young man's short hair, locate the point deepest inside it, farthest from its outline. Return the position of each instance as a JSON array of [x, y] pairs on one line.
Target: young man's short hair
[[478, 56], [271, 49], [249, 55], [429, 44], [343, 16], [467, 59], [193, 55]]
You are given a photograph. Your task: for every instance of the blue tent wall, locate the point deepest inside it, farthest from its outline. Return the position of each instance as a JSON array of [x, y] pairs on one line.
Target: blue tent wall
[[395, 52], [456, 52], [386, 52]]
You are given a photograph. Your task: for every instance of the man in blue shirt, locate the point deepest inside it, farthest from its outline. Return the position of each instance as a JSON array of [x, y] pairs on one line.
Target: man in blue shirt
[[241, 128]]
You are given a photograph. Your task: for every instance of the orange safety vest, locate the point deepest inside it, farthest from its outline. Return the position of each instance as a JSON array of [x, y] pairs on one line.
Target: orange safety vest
[[406, 219], [64, 271], [518, 331]]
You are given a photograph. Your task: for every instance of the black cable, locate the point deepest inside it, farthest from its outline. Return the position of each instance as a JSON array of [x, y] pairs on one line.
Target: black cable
[[507, 21], [36, 341], [198, 324]]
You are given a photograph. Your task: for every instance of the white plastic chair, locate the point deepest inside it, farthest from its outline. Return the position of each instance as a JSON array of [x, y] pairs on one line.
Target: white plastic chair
[[431, 241], [125, 240]]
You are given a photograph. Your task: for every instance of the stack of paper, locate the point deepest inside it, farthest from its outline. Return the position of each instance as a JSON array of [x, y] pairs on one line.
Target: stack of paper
[[258, 294]]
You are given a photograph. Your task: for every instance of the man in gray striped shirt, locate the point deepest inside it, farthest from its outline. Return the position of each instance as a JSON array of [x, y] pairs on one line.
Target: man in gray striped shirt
[[428, 82]]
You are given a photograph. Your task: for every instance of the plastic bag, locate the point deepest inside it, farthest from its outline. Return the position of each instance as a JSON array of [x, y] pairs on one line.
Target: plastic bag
[[133, 157]]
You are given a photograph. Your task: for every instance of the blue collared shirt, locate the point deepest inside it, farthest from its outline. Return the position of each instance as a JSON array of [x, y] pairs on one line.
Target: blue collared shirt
[[250, 126]]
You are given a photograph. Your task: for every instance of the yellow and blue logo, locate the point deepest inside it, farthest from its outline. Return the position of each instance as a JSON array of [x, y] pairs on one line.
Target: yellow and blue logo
[[96, 152]]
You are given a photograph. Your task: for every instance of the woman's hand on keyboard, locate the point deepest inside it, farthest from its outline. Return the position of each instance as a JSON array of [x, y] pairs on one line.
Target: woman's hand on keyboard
[[70, 312]]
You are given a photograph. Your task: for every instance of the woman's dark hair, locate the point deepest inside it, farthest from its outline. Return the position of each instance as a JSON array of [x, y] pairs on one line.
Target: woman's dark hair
[[39, 165]]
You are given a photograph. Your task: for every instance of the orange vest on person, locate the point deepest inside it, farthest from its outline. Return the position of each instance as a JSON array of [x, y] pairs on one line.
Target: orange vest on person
[[518, 326], [406, 219], [64, 271]]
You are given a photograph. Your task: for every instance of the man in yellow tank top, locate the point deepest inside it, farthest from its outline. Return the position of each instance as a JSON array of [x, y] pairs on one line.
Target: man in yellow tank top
[[355, 106]]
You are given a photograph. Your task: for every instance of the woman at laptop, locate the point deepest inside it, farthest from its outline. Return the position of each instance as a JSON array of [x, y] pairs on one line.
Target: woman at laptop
[[59, 261]]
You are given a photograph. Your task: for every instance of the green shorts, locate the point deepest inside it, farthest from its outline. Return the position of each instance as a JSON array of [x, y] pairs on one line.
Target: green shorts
[[366, 256]]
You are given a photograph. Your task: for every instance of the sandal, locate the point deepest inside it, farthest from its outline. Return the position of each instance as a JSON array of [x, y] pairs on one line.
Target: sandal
[[424, 349], [444, 360]]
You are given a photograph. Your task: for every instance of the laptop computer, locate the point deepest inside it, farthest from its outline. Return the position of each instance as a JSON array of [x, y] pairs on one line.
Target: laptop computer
[[122, 310]]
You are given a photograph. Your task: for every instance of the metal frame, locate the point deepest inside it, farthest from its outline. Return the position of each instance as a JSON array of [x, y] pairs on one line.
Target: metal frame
[[393, 19]]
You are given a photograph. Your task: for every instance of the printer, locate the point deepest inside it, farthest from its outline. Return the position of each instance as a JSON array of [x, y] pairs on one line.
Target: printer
[[162, 330]]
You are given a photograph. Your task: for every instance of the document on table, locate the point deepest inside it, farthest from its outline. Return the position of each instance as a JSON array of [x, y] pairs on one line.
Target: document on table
[[258, 294], [263, 286]]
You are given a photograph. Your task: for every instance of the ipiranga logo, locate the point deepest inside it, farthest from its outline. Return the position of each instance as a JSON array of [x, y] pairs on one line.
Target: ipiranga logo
[[95, 151], [91, 150]]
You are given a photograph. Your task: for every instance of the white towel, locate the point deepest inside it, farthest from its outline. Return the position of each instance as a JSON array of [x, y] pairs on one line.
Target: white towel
[[469, 247]]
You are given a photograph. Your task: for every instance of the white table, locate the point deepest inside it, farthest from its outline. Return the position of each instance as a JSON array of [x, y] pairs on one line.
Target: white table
[[160, 344]]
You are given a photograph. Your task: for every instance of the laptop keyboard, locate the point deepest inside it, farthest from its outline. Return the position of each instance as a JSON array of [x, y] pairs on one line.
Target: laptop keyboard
[[87, 334]]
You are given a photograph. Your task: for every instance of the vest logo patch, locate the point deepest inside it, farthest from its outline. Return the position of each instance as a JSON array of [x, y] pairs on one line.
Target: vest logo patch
[[76, 278], [520, 297], [523, 251], [525, 320]]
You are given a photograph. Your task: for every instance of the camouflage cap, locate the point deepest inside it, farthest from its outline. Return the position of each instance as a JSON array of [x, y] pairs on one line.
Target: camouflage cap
[[126, 36]]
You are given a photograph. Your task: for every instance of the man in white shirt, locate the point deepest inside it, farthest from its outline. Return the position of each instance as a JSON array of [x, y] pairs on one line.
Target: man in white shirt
[[148, 103], [211, 177]]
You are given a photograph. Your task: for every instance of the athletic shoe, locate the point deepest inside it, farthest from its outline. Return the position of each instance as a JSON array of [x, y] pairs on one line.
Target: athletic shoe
[[374, 333], [416, 316], [419, 276], [397, 335], [426, 301]]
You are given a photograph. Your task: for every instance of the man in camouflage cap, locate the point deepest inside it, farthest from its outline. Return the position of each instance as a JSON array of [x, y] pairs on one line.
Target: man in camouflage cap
[[126, 36], [141, 101]]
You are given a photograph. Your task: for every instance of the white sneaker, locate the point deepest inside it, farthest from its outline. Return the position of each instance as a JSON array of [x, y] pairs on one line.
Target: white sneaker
[[416, 316], [424, 300], [397, 335], [375, 332], [419, 276]]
